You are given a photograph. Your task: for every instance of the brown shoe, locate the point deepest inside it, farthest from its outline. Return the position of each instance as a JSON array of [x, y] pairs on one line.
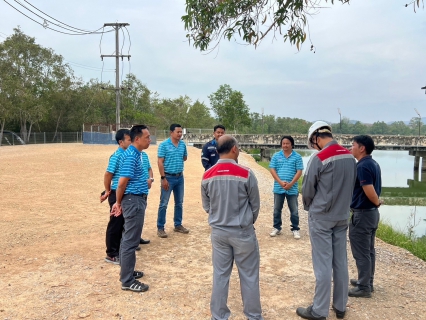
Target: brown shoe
[[181, 229], [161, 233]]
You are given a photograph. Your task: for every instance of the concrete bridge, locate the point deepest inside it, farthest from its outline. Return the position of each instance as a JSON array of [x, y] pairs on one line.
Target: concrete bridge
[[268, 143]]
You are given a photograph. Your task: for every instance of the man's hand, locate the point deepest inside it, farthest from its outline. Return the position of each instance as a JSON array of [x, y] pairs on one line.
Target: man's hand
[[149, 183], [288, 186], [104, 195], [165, 184], [116, 210]]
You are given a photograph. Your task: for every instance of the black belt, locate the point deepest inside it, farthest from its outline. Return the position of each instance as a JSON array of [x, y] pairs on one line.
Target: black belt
[[362, 210], [143, 195], [173, 174]]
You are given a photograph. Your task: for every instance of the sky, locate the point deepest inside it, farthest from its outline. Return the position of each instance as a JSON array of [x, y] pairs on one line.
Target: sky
[[369, 59]]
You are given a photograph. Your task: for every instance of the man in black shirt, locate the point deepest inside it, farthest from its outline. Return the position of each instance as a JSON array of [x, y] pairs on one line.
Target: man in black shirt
[[209, 155], [365, 215]]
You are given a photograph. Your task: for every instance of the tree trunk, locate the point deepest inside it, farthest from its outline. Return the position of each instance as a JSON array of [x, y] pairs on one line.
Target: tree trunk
[[1, 129]]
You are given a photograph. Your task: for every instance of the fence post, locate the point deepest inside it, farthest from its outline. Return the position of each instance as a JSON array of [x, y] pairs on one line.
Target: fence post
[[35, 140], [61, 136], [44, 134], [13, 140]]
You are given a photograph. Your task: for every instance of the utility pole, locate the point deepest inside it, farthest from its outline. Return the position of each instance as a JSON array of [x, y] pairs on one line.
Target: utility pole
[[117, 26]]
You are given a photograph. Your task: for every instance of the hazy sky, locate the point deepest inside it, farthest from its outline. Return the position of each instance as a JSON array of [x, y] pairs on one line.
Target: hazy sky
[[369, 61]]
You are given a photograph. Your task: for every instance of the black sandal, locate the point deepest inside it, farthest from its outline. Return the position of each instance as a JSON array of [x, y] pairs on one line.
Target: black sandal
[[136, 286]]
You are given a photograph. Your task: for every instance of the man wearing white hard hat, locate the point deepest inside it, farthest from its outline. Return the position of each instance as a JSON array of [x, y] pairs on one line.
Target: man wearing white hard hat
[[327, 194]]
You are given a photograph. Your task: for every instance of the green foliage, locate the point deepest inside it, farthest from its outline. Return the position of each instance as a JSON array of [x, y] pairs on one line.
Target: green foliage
[[230, 107], [37, 80], [207, 22], [396, 238]]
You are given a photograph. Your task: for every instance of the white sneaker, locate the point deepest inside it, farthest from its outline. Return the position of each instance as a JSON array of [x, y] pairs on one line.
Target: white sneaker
[[296, 234], [275, 232]]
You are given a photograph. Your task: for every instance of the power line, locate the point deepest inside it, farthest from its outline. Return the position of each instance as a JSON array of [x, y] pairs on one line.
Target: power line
[[88, 67], [46, 26], [56, 19]]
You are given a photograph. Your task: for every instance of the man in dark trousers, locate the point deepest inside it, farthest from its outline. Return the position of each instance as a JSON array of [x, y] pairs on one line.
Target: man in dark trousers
[[131, 203], [230, 196], [327, 193], [365, 216], [111, 177], [209, 155]]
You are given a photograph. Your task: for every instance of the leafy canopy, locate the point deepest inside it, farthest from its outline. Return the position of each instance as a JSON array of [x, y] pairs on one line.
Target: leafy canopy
[[208, 21]]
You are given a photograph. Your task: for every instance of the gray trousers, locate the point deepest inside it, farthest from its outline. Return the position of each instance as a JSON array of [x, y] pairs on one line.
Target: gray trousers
[[328, 240], [134, 215], [362, 234], [242, 246]]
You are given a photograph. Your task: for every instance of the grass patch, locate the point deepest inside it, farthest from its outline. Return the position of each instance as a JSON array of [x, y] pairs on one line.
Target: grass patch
[[416, 246]]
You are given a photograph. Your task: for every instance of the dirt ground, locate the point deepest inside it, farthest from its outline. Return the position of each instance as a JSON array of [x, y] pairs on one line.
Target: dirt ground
[[53, 248]]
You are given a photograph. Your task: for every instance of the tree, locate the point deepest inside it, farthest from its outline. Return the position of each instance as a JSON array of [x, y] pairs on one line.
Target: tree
[[208, 21], [379, 127], [230, 107], [36, 73], [415, 125], [399, 128]]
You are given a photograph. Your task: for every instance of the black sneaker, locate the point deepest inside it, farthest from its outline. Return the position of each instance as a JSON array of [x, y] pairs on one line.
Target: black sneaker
[[358, 293], [142, 241], [306, 313], [355, 283], [138, 249], [339, 314], [136, 286]]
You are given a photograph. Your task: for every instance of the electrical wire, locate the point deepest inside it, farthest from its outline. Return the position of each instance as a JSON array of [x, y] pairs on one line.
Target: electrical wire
[[130, 45], [45, 24], [88, 67], [55, 19], [47, 27]]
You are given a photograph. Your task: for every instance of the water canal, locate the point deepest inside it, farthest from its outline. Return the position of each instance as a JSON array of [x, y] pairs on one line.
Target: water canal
[[403, 191]]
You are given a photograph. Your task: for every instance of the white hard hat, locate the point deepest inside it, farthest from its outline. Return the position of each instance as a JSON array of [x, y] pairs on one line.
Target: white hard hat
[[315, 129]]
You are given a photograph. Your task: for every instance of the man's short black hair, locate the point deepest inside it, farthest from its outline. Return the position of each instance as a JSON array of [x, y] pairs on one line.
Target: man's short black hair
[[290, 138], [366, 141], [120, 135], [225, 144], [219, 126], [173, 126], [136, 131]]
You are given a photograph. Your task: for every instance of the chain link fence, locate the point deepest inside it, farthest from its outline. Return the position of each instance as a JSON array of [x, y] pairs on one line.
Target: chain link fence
[[10, 138]]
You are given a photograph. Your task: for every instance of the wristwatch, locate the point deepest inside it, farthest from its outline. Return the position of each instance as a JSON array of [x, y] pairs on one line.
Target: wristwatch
[[163, 177], [152, 179]]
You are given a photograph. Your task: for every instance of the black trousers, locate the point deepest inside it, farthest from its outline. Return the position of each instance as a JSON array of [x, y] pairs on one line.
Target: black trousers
[[362, 235], [114, 230]]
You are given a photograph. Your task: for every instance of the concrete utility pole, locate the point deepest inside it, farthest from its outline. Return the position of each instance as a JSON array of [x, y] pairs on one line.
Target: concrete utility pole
[[117, 26]]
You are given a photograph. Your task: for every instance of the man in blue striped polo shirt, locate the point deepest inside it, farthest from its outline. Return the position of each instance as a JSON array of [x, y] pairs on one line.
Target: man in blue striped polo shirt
[[131, 203], [171, 155], [286, 167], [111, 177], [149, 176]]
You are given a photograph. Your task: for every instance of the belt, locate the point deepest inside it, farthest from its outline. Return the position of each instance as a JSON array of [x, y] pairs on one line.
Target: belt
[[362, 210], [143, 195], [173, 174]]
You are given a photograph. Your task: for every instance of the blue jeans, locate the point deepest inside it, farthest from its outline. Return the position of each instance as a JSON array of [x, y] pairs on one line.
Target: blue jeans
[[176, 184], [292, 205]]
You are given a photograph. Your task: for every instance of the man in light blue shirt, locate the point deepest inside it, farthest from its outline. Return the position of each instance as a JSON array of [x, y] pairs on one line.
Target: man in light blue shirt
[[111, 177], [131, 203], [286, 167], [171, 155]]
